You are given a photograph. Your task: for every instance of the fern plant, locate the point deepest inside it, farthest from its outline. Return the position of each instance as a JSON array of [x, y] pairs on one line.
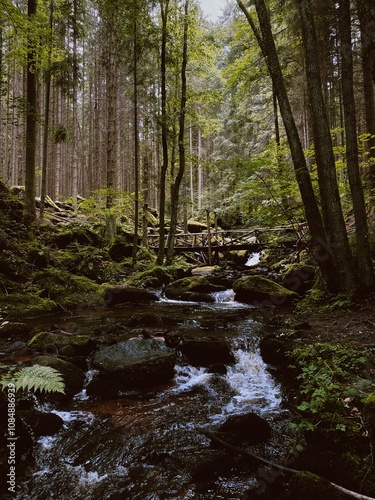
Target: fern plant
[[35, 378]]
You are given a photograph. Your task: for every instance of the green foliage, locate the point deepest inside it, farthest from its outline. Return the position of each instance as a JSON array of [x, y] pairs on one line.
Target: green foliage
[[35, 378], [329, 375]]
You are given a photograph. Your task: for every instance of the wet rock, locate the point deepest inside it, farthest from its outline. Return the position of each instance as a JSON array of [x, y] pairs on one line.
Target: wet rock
[[145, 319], [137, 362], [74, 344], [218, 368], [206, 351], [274, 350], [39, 423], [261, 291], [121, 295], [249, 429], [299, 278], [73, 377], [198, 284], [196, 297], [14, 329], [210, 465], [103, 387]]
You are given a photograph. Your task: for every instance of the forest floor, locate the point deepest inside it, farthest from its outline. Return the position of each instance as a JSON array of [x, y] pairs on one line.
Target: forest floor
[[353, 326]]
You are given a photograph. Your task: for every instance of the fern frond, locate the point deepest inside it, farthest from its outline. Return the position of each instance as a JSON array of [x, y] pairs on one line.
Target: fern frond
[[36, 378]]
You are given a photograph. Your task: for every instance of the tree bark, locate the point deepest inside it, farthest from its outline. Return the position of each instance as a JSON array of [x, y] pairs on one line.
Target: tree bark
[[366, 12], [164, 5], [29, 209], [181, 143], [365, 267], [333, 218], [369, 95], [323, 250]]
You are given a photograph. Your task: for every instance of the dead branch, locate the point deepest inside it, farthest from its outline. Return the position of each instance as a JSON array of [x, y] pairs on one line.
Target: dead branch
[[230, 447]]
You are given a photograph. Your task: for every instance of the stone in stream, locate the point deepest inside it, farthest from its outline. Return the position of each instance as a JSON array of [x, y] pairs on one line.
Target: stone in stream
[[201, 351], [247, 429], [261, 291], [180, 289], [73, 376], [121, 295], [137, 362]]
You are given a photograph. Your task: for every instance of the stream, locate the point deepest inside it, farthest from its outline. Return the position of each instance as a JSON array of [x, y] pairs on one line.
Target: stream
[[144, 445]]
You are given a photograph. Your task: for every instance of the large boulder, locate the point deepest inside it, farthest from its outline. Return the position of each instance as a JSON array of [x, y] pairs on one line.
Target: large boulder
[[121, 295], [262, 291], [137, 362], [178, 289]]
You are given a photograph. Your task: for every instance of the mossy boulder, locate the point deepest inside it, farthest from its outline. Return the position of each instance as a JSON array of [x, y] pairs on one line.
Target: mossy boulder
[[68, 290], [19, 305], [80, 234], [200, 284], [120, 249], [81, 344], [14, 329], [137, 362], [121, 295], [299, 278], [262, 291], [73, 376]]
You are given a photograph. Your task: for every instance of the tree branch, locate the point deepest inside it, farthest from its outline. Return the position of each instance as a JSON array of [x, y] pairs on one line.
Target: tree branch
[[230, 447]]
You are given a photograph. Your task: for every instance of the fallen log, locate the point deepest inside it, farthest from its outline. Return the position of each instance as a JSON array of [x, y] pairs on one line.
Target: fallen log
[[248, 453]]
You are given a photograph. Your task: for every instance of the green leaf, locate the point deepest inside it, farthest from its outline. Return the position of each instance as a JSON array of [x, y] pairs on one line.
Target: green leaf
[[36, 378]]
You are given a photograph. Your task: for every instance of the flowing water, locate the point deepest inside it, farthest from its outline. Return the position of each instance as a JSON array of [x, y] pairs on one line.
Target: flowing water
[[146, 445]]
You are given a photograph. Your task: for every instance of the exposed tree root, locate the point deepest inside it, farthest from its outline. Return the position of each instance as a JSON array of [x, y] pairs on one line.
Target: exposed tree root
[[229, 446]]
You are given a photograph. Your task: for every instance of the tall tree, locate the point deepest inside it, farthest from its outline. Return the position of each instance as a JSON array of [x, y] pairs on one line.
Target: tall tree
[[181, 141], [164, 7], [333, 218], [365, 267], [31, 120], [324, 251]]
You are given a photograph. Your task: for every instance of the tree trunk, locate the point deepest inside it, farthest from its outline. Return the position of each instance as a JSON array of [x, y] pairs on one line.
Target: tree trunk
[[181, 143], [333, 218], [323, 251], [366, 12], [369, 98], [365, 268], [136, 138], [164, 5], [46, 117], [29, 209]]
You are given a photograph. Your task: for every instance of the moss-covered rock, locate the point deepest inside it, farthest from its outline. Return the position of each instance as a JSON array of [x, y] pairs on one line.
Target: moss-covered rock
[[262, 291], [74, 233], [198, 284], [137, 362], [73, 376], [19, 305], [68, 290], [81, 344], [299, 278]]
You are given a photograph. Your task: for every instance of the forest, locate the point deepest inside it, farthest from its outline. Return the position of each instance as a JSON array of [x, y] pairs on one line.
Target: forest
[[128, 129]]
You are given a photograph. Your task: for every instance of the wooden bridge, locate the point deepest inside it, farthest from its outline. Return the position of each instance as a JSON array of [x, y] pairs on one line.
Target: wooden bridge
[[210, 243]]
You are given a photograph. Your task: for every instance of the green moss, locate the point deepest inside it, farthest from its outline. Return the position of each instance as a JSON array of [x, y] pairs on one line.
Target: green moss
[[68, 290], [310, 487], [262, 286], [44, 339], [26, 304], [193, 283]]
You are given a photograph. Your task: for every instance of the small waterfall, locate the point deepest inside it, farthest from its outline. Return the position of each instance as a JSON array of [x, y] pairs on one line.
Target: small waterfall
[[254, 259]]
